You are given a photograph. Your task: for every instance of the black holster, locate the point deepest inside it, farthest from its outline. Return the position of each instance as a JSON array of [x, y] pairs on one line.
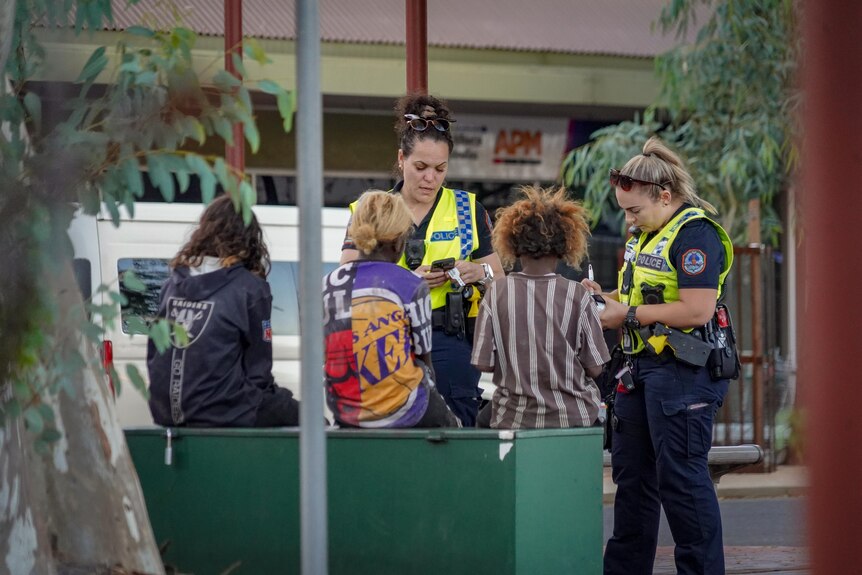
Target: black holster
[[607, 383], [723, 361], [455, 318]]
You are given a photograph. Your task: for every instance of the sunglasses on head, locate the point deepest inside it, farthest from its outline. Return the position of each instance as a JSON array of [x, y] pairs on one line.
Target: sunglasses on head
[[626, 182], [421, 124]]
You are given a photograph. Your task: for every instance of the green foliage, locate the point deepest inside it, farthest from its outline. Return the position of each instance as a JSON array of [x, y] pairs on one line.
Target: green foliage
[[152, 109], [730, 100]]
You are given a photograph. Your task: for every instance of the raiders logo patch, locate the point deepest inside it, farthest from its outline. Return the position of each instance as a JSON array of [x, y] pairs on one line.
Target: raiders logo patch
[[192, 316], [693, 262]]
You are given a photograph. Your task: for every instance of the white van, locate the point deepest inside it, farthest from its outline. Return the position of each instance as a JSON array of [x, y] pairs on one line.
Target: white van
[[148, 242]]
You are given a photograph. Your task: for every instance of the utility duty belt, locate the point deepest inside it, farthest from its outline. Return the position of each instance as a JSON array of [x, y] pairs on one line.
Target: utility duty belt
[[713, 345], [452, 317]]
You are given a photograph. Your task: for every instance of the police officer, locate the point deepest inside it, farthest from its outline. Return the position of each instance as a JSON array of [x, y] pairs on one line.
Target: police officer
[[448, 224], [673, 274]]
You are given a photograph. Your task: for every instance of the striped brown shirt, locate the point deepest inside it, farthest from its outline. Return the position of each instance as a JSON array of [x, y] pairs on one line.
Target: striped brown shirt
[[538, 333]]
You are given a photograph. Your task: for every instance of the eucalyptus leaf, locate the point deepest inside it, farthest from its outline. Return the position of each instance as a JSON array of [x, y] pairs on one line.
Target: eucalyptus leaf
[[34, 109], [94, 66], [140, 31], [251, 135], [286, 107], [160, 334], [160, 176], [133, 283], [253, 50], [34, 421], [132, 177], [137, 380], [135, 325]]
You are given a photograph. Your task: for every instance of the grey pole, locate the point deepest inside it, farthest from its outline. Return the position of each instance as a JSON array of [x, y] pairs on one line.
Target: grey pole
[[309, 176]]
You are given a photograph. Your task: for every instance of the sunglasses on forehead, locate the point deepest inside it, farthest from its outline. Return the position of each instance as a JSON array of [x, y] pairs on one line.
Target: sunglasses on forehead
[[626, 182], [421, 124]]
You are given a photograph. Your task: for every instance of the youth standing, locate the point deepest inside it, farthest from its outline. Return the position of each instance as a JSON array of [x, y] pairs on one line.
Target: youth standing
[[538, 332], [447, 223], [675, 266]]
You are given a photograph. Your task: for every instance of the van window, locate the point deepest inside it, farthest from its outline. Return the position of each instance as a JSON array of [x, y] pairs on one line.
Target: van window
[[153, 272], [338, 191], [82, 270], [284, 283]]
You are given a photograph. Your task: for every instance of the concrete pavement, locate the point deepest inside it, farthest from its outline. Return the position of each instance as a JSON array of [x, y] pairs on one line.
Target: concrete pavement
[[785, 481]]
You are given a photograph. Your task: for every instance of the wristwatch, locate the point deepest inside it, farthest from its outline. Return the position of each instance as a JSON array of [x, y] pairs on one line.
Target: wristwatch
[[489, 274], [631, 321]]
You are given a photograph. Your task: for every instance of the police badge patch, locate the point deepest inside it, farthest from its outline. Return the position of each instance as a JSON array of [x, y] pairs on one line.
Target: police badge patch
[[693, 262]]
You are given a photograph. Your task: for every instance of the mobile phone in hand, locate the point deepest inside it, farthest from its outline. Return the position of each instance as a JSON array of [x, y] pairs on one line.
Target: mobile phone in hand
[[442, 265], [600, 301]]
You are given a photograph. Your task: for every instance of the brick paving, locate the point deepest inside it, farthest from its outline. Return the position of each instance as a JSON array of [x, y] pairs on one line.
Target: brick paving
[[745, 560]]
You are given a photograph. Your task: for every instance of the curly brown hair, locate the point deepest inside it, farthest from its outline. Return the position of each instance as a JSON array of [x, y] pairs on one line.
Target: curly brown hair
[[545, 222], [221, 233]]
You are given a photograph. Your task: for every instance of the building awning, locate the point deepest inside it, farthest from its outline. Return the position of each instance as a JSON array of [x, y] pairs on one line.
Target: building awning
[[595, 27]]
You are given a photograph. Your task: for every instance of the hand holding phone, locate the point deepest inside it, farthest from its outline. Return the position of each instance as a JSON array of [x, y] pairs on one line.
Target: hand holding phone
[[442, 265], [600, 302]]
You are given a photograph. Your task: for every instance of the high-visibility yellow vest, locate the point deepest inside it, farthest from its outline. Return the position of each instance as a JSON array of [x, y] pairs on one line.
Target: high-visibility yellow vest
[[653, 266], [451, 233]]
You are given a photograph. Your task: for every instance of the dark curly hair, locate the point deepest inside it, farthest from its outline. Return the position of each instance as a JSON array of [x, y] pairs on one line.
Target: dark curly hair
[[221, 233], [545, 222], [424, 106]]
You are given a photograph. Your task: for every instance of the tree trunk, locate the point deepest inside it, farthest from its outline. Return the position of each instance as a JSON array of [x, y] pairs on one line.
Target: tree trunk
[[80, 508]]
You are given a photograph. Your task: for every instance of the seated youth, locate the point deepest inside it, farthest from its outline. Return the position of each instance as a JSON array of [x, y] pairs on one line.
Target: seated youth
[[217, 292], [377, 328]]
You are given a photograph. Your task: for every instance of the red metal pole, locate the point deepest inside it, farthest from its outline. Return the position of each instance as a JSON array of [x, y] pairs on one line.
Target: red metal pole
[[829, 311], [417, 46], [234, 154]]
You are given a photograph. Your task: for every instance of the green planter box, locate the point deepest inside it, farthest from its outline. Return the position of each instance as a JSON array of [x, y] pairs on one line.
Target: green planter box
[[400, 502]]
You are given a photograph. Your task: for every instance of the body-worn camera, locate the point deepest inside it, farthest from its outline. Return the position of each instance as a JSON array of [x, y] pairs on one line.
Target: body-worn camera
[[414, 253], [652, 294]]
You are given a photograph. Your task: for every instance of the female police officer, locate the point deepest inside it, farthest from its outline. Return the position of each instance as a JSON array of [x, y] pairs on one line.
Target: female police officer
[[673, 274], [447, 224]]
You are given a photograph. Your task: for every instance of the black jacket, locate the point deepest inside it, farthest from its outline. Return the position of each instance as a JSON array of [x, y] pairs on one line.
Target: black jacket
[[219, 377]]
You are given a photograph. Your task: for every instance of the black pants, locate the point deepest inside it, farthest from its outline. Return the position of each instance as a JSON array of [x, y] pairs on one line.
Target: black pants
[[483, 420], [457, 380], [278, 408], [438, 413]]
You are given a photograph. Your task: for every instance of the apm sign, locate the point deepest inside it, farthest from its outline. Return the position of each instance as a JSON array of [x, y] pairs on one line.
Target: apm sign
[[507, 148]]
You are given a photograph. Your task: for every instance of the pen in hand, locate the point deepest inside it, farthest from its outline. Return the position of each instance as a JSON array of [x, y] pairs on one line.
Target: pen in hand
[[600, 301]]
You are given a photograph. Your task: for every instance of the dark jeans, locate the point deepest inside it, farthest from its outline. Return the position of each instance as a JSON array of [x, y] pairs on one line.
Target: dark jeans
[[483, 420], [661, 439], [457, 379], [438, 413], [278, 408]]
